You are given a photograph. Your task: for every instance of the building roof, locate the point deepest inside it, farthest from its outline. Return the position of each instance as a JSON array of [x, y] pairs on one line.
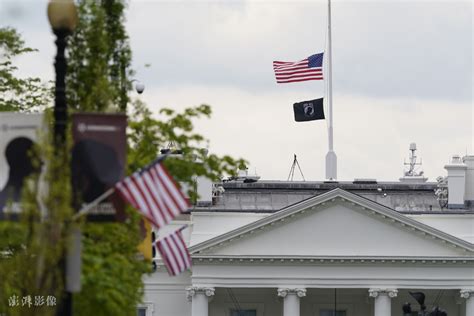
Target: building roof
[[354, 202], [271, 196]]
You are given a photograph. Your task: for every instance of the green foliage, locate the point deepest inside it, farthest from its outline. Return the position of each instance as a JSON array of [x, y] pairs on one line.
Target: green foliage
[[98, 80], [31, 248], [19, 94], [111, 271], [99, 58], [176, 130]]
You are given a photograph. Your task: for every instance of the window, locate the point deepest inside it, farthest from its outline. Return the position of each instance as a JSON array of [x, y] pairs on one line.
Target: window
[[330, 312], [243, 312], [145, 309]]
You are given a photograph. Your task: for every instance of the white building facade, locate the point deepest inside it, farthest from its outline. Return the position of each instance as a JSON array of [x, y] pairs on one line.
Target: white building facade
[[312, 248]]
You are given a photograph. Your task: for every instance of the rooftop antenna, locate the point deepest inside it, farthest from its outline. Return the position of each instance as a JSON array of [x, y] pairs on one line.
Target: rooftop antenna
[[411, 170], [412, 174], [292, 169]]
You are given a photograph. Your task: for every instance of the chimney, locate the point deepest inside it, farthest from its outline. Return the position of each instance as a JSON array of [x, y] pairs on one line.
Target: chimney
[[456, 182], [204, 190], [203, 187], [469, 194]]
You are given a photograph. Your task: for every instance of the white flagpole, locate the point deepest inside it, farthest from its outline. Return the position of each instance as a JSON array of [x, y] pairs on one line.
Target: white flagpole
[[331, 158]]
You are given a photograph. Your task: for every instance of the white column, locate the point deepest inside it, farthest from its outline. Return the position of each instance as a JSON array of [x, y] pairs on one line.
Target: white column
[[291, 300], [200, 299], [382, 303], [468, 295]]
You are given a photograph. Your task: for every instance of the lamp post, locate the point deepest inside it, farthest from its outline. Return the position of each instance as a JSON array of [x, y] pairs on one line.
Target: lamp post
[[62, 16]]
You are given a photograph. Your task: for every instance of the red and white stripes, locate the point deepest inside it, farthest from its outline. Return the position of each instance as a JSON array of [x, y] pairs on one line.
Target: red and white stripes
[[174, 253], [286, 72], [155, 193], [157, 196]]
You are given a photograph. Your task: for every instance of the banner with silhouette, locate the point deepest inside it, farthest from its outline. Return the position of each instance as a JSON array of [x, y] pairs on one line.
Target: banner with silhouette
[[98, 162], [18, 134]]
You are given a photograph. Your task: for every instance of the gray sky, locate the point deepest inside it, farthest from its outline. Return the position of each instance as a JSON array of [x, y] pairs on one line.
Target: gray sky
[[402, 72]]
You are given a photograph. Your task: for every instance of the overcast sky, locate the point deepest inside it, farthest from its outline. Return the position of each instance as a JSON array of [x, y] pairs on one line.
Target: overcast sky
[[402, 73]]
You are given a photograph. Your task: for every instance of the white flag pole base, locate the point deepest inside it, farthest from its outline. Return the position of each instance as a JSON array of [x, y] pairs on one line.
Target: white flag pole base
[[331, 166]]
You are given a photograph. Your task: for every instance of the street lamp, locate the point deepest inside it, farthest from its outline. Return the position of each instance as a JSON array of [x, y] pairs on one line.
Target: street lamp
[[62, 15], [139, 86]]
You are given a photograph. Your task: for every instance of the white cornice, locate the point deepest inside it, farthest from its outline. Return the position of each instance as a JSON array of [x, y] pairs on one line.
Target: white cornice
[[318, 260], [321, 201]]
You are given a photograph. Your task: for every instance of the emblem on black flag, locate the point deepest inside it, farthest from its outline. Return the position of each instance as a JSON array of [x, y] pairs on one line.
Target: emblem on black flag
[[309, 110]]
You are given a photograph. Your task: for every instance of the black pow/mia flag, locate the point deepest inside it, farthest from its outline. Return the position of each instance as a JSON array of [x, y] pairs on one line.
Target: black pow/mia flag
[[309, 110]]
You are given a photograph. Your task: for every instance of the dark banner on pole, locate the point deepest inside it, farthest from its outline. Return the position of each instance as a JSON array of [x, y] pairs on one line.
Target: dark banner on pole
[[309, 110], [18, 134], [98, 162]]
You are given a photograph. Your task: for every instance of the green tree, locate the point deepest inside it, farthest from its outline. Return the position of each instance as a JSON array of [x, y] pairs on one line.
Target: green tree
[[100, 58], [30, 246], [19, 94], [98, 80], [147, 134]]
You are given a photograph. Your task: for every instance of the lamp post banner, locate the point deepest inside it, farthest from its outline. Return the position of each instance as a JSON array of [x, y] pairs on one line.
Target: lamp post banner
[[18, 134], [98, 162]]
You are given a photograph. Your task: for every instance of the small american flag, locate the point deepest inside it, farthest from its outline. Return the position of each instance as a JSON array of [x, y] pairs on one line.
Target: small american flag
[[310, 68], [174, 253], [154, 193]]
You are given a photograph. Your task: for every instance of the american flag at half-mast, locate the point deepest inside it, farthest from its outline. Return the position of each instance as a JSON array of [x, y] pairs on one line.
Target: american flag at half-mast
[[174, 253], [310, 68], [154, 193]]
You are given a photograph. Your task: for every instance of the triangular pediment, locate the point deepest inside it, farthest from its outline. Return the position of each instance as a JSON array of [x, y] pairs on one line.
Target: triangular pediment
[[335, 224]]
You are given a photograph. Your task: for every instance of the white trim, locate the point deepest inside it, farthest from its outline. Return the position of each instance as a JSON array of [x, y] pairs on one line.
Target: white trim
[[333, 275], [232, 259]]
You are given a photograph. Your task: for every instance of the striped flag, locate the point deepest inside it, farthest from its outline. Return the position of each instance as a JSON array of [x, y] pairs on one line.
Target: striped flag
[[154, 193], [310, 68], [174, 253]]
